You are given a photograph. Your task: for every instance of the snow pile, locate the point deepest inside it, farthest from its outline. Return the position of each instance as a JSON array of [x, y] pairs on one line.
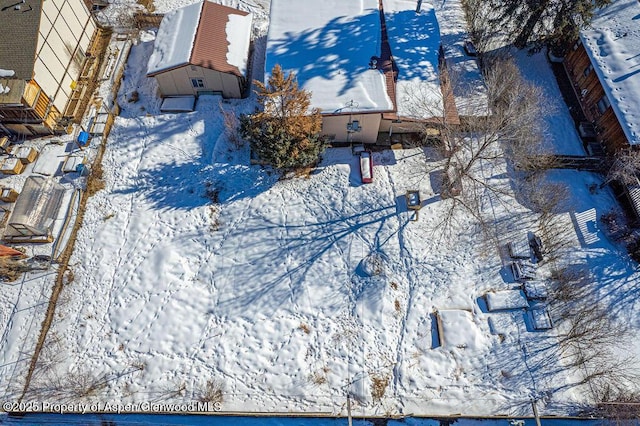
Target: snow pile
[[4, 74], [328, 45], [613, 43], [506, 299], [460, 331], [238, 32], [175, 38]]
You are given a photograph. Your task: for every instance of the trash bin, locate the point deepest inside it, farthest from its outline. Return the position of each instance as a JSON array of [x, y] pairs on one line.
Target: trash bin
[[83, 138]]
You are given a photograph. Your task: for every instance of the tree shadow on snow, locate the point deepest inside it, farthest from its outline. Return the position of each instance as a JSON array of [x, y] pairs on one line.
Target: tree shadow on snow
[[175, 170], [345, 45], [299, 253]]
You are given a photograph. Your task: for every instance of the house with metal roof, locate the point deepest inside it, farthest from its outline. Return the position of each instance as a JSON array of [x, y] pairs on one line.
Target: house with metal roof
[[202, 48], [604, 66], [44, 47], [372, 67]]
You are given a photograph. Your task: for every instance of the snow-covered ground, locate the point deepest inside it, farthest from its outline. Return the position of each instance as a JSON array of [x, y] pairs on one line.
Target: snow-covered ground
[[195, 269]]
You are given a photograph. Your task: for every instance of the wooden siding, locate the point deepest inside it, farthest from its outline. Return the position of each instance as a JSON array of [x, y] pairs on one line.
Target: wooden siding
[[42, 104], [589, 91], [31, 93]]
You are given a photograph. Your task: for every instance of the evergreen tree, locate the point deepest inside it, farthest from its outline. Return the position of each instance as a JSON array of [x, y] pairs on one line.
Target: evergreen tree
[[553, 22], [285, 133]]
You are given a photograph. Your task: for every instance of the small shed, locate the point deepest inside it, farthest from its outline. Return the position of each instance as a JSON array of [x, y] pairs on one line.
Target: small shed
[[202, 48], [35, 210]]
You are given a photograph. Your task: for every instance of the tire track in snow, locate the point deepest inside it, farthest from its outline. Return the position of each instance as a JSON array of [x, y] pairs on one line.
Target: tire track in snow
[[408, 266], [287, 257]]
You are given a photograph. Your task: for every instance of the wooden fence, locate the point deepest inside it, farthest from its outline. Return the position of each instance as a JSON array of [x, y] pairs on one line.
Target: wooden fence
[[145, 21]]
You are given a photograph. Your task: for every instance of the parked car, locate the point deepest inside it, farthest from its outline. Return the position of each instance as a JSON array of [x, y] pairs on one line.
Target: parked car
[[366, 167]]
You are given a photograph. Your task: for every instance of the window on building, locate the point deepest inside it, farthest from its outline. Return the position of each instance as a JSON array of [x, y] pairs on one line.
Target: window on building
[[197, 83], [603, 104], [588, 70]]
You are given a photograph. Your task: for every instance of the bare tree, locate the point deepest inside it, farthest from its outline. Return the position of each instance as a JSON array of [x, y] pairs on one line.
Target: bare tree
[[480, 28], [507, 130], [621, 405], [624, 168]]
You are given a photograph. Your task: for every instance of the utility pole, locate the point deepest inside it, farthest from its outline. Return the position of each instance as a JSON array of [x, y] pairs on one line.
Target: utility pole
[[534, 405], [349, 410]]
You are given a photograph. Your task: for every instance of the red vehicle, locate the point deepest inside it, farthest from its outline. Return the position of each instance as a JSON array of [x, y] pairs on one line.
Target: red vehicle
[[366, 167]]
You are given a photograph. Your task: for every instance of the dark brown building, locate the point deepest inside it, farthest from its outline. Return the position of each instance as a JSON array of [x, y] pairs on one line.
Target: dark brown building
[[604, 66]]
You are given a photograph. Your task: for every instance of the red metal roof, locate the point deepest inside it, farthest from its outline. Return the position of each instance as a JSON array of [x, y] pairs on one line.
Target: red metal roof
[[211, 45]]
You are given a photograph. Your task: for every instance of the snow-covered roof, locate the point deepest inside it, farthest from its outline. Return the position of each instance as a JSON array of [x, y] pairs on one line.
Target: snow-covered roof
[[174, 41], [613, 43], [329, 45], [195, 34], [415, 41], [238, 31]]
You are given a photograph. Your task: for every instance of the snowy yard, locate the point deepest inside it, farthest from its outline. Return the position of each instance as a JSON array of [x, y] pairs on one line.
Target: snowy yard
[[287, 293], [194, 269]]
